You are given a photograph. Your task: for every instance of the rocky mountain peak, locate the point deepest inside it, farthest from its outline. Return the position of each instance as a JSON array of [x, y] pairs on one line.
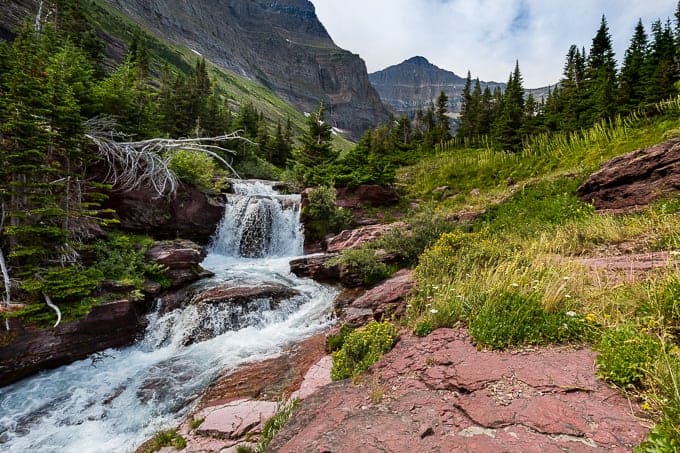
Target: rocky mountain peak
[[418, 60]]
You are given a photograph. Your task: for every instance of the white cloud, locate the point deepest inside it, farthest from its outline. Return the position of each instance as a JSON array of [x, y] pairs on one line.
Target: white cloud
[[484, 36]]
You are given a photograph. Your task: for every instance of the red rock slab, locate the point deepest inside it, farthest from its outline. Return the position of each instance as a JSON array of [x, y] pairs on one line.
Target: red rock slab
[[440, 394], [349, 239], [317, 376], [389, 296], [236, 419]]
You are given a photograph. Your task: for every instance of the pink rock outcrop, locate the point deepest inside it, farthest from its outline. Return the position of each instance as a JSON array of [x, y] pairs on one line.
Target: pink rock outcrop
[[388, 298], [349, 239], [439, 393], [235, 419]]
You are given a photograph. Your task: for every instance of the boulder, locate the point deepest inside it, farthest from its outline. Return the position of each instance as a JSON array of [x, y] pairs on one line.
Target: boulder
[[316, 267], [191, 214], [220, 309], [386, 299], [349, 239], [26, 349], [182, 258], [634, 180]]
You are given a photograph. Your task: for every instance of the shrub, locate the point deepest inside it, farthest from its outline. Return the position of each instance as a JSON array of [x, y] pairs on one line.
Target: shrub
[[362, 348], [422, 231], [625, 355], [195, 168], [423, 328], [335, 342], [121, 258], [321, 216], [365, 262], [513, 318]]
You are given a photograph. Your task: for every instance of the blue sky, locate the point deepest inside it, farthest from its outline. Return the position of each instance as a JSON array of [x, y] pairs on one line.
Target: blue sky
[[484, 36]]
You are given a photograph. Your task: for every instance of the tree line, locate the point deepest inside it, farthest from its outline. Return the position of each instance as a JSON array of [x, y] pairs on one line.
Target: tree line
[[591, 89]]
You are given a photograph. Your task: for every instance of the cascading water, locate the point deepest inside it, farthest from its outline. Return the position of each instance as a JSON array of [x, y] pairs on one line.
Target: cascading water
[[116, 399]]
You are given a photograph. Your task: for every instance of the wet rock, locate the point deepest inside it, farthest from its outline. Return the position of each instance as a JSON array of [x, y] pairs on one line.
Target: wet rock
[[441, 394], [315, 267], [634, 180], [271, 379], [191, 214], [26, 349], [182, 258], [386, 299], [302, 370], [349, 239], [209, 312], [244, 294]]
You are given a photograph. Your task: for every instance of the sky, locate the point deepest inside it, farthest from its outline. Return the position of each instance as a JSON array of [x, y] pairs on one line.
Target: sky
[[483, 36]]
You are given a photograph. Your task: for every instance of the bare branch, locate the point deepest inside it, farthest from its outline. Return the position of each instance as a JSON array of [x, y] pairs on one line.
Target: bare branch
[[50, 304], [133, 164]]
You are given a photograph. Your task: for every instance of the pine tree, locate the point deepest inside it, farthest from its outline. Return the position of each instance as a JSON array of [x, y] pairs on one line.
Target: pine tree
[[601, 76], [281, 147], [443, 126], [661, 65], [316, 150], [466, 126], [508, 124], [631, 91]]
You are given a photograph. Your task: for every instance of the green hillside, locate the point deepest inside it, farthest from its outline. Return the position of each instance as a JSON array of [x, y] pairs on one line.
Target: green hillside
[[239, 90]]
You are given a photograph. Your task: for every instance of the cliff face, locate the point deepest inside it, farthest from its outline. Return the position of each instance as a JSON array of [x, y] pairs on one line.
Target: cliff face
[[415, 83], [279, 43]]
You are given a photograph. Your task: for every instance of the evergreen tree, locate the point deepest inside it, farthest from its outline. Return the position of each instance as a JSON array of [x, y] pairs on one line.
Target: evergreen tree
[[443, 126], [508, 124], [486, 112], [661, 64], [316, 151], [601, 76], [281, 147], [467, 119], [631, 91]]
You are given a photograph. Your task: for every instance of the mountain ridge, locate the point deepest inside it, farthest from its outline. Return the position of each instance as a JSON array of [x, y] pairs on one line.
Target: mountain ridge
[[280, 44], [416, 83]]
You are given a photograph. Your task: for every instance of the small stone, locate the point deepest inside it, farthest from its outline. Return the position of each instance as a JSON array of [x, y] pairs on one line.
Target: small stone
[[426, 432]]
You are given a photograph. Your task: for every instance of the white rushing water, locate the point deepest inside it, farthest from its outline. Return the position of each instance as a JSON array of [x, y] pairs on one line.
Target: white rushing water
[[113, 401]]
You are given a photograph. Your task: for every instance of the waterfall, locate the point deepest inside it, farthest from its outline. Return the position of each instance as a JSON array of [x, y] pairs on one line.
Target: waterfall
[[116, 399], [259, 222]]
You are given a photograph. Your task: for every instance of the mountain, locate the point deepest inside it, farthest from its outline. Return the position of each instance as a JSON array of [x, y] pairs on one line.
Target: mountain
[[415, 83], [280, 44], [275, 46]]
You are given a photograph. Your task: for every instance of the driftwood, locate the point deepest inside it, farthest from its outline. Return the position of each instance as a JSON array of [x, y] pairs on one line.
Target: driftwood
[[132, 164]]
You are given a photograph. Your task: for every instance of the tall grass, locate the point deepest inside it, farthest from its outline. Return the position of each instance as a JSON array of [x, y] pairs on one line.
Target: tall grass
[[576, 152]]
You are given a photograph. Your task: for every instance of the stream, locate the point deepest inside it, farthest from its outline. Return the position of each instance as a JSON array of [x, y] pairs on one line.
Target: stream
[[116, 399]]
